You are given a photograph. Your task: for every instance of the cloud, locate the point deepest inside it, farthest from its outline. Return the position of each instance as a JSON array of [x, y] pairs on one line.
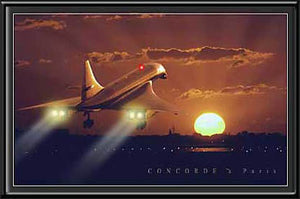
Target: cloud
[[21, 63], [239, 90], [104, 17], [204, 53], [149, 16], [45, 61], [230, 57], [233, 57], [114, 18], [93, 17], [28, 24], [99, 57], [127, 17]]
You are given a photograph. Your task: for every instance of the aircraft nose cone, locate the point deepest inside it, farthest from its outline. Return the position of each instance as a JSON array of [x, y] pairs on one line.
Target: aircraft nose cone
[[159, 67], [164, 76]]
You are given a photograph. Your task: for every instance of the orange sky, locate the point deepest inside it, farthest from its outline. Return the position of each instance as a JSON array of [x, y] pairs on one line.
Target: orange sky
[[233, 65]]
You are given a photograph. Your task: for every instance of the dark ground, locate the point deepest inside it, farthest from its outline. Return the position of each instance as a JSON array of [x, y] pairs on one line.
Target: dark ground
[[149, 159]]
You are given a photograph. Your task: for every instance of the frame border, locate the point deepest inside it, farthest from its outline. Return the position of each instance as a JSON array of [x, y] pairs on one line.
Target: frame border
[[292, 98]]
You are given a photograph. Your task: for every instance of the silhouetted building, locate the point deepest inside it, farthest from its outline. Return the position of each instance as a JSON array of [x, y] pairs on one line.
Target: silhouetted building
[[172, 132]]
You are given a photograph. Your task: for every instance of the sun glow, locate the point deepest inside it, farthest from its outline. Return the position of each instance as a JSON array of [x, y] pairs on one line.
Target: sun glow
[[209, 124]]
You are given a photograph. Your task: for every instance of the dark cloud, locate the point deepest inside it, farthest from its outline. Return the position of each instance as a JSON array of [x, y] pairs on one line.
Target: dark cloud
[[239, 90], [204, 53], [232, 57], [21, 63], [28, 24]]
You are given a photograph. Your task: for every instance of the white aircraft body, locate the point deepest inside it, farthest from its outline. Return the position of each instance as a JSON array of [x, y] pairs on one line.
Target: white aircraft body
[[132, 92]]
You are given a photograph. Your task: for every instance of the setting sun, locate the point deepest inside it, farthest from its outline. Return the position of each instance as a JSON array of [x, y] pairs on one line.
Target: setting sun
[[209, 124]]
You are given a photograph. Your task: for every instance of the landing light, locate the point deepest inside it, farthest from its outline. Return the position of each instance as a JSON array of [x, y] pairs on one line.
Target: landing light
[[136, 115], [61, 113], [140, 115], [54, 113], [58, 113], [131, 115]]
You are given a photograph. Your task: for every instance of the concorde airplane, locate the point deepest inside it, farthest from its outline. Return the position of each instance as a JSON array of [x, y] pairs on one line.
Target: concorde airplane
[[132, 92]]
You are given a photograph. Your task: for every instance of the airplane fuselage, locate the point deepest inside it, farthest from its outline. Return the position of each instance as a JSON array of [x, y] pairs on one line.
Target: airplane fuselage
[[116, 89], [133, 93]]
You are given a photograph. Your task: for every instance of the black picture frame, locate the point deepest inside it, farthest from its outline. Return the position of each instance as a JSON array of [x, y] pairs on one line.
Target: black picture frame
[[10, 7]]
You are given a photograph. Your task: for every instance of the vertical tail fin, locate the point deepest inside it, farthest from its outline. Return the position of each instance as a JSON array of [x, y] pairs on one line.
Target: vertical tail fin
[[90, 86]]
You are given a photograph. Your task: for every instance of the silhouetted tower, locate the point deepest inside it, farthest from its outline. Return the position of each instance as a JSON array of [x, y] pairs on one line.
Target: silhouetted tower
[[170, 131], [173, 129]]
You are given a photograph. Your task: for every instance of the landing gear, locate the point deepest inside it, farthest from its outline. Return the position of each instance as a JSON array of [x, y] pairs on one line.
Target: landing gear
[[88, 123], [141, 125]]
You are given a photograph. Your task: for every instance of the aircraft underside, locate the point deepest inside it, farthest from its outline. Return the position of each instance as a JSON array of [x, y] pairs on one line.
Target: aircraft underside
[[138, 117]]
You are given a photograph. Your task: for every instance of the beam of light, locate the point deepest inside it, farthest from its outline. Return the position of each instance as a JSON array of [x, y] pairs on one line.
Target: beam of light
[[101, 151], [31, 138]]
